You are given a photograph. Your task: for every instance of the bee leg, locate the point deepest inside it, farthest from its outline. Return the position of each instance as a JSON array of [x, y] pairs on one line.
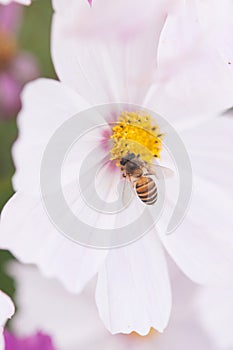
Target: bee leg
[[150, 173]]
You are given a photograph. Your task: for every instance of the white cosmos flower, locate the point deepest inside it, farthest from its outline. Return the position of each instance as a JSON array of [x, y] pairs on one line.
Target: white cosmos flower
[[7, 309], [104, 59], [73, 323]]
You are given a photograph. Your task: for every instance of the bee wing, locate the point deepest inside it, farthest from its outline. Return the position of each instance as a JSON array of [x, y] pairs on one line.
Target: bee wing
[[126, 192], [160, 172]]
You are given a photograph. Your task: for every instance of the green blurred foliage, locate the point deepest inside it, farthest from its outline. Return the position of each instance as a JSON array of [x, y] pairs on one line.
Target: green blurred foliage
[[35, 34], [34, 37], [6, 282], [8, 133]]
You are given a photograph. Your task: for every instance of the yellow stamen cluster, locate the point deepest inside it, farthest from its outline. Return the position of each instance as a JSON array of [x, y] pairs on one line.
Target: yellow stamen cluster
[[135, 133], [8, 48]]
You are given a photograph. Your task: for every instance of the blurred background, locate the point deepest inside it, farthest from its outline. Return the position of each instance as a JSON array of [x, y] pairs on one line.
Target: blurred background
[[31, 39]]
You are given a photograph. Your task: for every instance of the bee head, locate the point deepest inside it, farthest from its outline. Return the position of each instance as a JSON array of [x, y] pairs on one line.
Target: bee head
[[127, 158]]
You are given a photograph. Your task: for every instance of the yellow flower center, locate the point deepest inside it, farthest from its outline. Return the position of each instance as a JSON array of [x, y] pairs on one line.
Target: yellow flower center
[[136, 133], [8, 48]]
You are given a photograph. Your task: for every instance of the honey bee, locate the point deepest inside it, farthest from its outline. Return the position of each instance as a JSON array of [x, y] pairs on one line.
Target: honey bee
[[139, 174]]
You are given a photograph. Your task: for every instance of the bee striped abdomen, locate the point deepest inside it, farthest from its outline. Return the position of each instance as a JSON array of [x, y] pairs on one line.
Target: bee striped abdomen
[[146, 190]]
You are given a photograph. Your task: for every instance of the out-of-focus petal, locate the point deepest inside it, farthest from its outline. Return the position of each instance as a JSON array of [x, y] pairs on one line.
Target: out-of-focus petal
[[215, 311], [23, 2], [10, 17], [108, 58], [44, 304], [32, 238], [193, 77], [7, 309], [33, 342], [133, 290]]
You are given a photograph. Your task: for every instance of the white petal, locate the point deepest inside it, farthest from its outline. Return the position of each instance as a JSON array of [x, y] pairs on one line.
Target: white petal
[[108, 58], [109, 214], [7, 310], [47, 104], [210, 147], [32, 238], [202, 245], [193, 79], [216, 20], [23, 2], [133, 290]]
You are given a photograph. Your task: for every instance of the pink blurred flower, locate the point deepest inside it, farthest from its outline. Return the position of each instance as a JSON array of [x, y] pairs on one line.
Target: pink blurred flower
[[39, 341], [16, 67]]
